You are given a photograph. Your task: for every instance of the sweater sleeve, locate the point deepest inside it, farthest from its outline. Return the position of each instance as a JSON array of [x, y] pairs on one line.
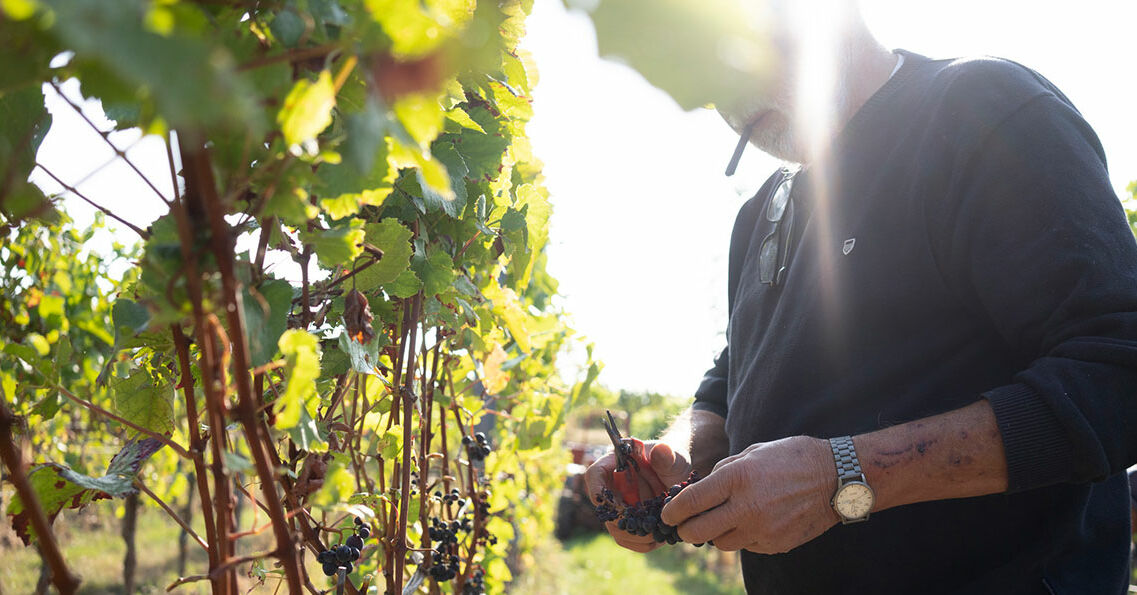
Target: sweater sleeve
[[711, 394], [1039, 244]]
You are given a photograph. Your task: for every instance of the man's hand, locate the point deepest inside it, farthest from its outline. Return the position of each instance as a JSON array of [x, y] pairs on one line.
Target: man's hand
[[769, 498], [671, 467]]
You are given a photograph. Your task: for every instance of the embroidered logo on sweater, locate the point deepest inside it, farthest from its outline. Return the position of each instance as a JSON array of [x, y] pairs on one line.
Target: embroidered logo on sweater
[[848, 246]]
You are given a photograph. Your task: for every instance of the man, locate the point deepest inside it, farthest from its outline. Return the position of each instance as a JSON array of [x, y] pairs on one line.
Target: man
[[949, 281]]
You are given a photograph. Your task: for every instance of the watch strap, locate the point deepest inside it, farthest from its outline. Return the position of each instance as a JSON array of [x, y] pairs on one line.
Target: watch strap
[[845, 457]]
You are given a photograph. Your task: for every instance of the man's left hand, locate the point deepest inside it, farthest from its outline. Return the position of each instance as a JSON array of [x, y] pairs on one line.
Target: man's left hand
[[768, 499]]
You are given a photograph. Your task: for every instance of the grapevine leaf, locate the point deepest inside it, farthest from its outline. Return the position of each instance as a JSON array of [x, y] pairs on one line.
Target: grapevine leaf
[[140, 400], [57, 486], [421, 115], [192, 82], [366, 137], [719, 46], [416, 27], [307, 434], [405, 286], [24, 122], [435, 270], [338, 246], [461, 118], [308, 109], [508, 307], [25, 53], [130, 318], [364, 177], [266, 318], [364, 356], [302, 363], [394, 239], [536, 224], [495, 378], [287, 27]]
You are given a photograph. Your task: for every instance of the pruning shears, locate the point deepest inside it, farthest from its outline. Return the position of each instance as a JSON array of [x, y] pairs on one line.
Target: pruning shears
[[632, 465]]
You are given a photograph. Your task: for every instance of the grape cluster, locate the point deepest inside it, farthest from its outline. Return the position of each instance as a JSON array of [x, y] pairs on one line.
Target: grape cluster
[[478, 446], [444, 564], [643, 518], [454, 496], [607, 510], [476, 585], [345, 554]]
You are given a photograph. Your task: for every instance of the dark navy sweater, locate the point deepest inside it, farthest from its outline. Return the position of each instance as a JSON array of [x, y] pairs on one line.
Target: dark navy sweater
[[989, 258]]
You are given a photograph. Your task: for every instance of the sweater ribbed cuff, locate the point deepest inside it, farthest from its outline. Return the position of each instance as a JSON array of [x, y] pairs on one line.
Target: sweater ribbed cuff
[[1036, 448]]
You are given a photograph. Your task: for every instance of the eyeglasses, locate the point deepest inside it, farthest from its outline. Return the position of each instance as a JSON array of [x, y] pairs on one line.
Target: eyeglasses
[[775, 252]]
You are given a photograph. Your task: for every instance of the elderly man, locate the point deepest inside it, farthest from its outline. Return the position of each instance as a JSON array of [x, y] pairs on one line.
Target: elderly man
[[932, 322]]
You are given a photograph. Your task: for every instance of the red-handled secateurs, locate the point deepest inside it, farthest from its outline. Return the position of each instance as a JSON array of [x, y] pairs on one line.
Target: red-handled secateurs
[[632, 465]]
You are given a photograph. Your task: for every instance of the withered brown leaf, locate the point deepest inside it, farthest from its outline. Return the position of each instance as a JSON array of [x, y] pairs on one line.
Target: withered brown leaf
[[357, 317]]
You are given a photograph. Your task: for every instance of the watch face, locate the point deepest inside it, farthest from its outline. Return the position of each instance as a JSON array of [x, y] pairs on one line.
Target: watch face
[[854, 500]]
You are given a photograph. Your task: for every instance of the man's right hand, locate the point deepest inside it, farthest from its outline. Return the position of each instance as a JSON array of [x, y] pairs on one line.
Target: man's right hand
[[672, 467]]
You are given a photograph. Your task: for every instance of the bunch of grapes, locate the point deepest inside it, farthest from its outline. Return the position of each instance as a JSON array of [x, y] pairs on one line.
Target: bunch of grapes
[[347, 553], [445, 560], [476, 585], [454, 496], [478, 446], [643, 518]]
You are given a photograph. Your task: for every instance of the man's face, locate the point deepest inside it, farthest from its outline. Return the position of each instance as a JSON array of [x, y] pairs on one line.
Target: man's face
[[775, 109]]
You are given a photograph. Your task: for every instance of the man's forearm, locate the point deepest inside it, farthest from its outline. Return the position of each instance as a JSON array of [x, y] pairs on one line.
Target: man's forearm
[[958, 454], [700, 436]]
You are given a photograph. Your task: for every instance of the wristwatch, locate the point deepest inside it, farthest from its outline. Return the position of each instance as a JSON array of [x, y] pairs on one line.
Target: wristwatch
[[854, 498]]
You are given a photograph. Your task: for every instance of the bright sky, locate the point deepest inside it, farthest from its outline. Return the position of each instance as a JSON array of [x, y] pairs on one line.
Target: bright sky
[[642, 210]]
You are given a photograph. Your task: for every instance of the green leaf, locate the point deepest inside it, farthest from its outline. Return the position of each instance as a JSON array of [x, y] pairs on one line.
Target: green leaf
[[405, 286], [302, 364], [139, 399], [24, 122], [308, 109], [26, 54], [436, 272], [366, 138], [192, 82], [713, 61], [461, 118], [338, 246], [130, 318], [417, 27], [364, 357], [266, 318], [287, 27], [421, 115], [364, 177], [307, 434], [394, 239]]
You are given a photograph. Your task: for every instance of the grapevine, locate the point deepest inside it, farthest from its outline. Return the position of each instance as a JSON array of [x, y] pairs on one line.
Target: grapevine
[[401, 384]]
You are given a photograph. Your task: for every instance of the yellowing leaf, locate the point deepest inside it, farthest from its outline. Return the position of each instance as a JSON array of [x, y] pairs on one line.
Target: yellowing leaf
[[418, 26], [463, 119], [421, 115], [506, 304], [433, 173], [495, 378], [308, 109], [302, 362]]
